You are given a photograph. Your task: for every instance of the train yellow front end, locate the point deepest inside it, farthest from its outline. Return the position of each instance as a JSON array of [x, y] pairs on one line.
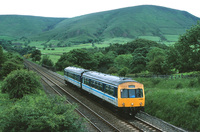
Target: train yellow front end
[[131, 97]]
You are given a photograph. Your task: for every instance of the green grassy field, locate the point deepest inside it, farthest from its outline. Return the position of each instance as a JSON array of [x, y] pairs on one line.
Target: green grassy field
[[118, 40], [58, 51]]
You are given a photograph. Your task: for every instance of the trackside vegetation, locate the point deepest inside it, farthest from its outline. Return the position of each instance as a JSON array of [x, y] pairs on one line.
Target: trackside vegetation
[[38, 113], [24, 106], [176, 101]]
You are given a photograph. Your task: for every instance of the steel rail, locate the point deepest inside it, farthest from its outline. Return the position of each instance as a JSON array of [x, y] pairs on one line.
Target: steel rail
[[113, 127]]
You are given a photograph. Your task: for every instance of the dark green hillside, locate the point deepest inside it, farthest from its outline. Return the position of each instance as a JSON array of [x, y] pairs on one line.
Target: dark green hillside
[[146, 20], [133, 22], [18, 26]]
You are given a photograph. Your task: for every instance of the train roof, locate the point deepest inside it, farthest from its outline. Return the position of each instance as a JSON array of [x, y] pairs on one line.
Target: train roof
[[114, 80], [76, 70], [110, 79]]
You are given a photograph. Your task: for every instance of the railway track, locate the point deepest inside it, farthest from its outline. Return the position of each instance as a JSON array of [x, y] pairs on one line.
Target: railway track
[[98, 122]]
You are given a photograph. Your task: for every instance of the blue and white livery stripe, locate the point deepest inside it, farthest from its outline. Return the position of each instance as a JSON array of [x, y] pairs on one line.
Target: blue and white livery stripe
[[96, 92]]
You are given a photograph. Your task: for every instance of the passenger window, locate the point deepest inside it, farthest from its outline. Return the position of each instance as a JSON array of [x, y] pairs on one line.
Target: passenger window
[[111, 90], [91, 83], [115, 92], [100, 86], [96, 85], [83, 80], [107, 89]]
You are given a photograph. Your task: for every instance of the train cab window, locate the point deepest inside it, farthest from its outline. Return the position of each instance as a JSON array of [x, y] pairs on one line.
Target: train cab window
[[139, 93], [124, 93], [131, 93]]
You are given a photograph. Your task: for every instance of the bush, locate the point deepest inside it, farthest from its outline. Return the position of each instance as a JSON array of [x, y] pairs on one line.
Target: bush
[[20, 82], [39, 113], [10, 66]]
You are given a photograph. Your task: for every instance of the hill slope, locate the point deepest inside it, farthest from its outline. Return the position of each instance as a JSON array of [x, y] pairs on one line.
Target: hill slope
[[18, 26], [146, 20], [131, 22]]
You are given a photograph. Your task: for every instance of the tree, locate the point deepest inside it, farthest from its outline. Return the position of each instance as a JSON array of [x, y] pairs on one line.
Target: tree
[[122, 61], [36, 55], [173, 58], [46, 61], [122, 72], [83, 58], [157, 61], [112, 70], [104, 61], [21, 82], [78, 57], [188, 48], [158, 66], [138, 63]]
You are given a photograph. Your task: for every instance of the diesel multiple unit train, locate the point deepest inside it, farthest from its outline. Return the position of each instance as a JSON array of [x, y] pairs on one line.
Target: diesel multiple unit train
[[126, 95]]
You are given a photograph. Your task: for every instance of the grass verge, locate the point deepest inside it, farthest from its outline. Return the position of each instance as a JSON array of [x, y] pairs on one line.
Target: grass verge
[[176, 101]]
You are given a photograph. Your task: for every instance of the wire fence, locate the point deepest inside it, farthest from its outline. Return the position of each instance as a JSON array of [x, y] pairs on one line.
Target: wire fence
[[165, 76]]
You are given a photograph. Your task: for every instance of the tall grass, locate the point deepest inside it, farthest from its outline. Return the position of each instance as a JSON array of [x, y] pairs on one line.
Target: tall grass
[[174, 100]]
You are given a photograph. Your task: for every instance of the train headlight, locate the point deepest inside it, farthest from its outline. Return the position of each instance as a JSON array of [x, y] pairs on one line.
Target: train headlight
[[132, 104], [123, 104], [140, 103]]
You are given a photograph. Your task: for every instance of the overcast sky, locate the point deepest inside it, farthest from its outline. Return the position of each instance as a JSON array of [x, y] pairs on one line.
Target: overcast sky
[[72, 8]]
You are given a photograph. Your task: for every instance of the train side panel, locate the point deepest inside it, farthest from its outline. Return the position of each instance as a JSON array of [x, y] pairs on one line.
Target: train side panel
[[72, 81], [100, 94]]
